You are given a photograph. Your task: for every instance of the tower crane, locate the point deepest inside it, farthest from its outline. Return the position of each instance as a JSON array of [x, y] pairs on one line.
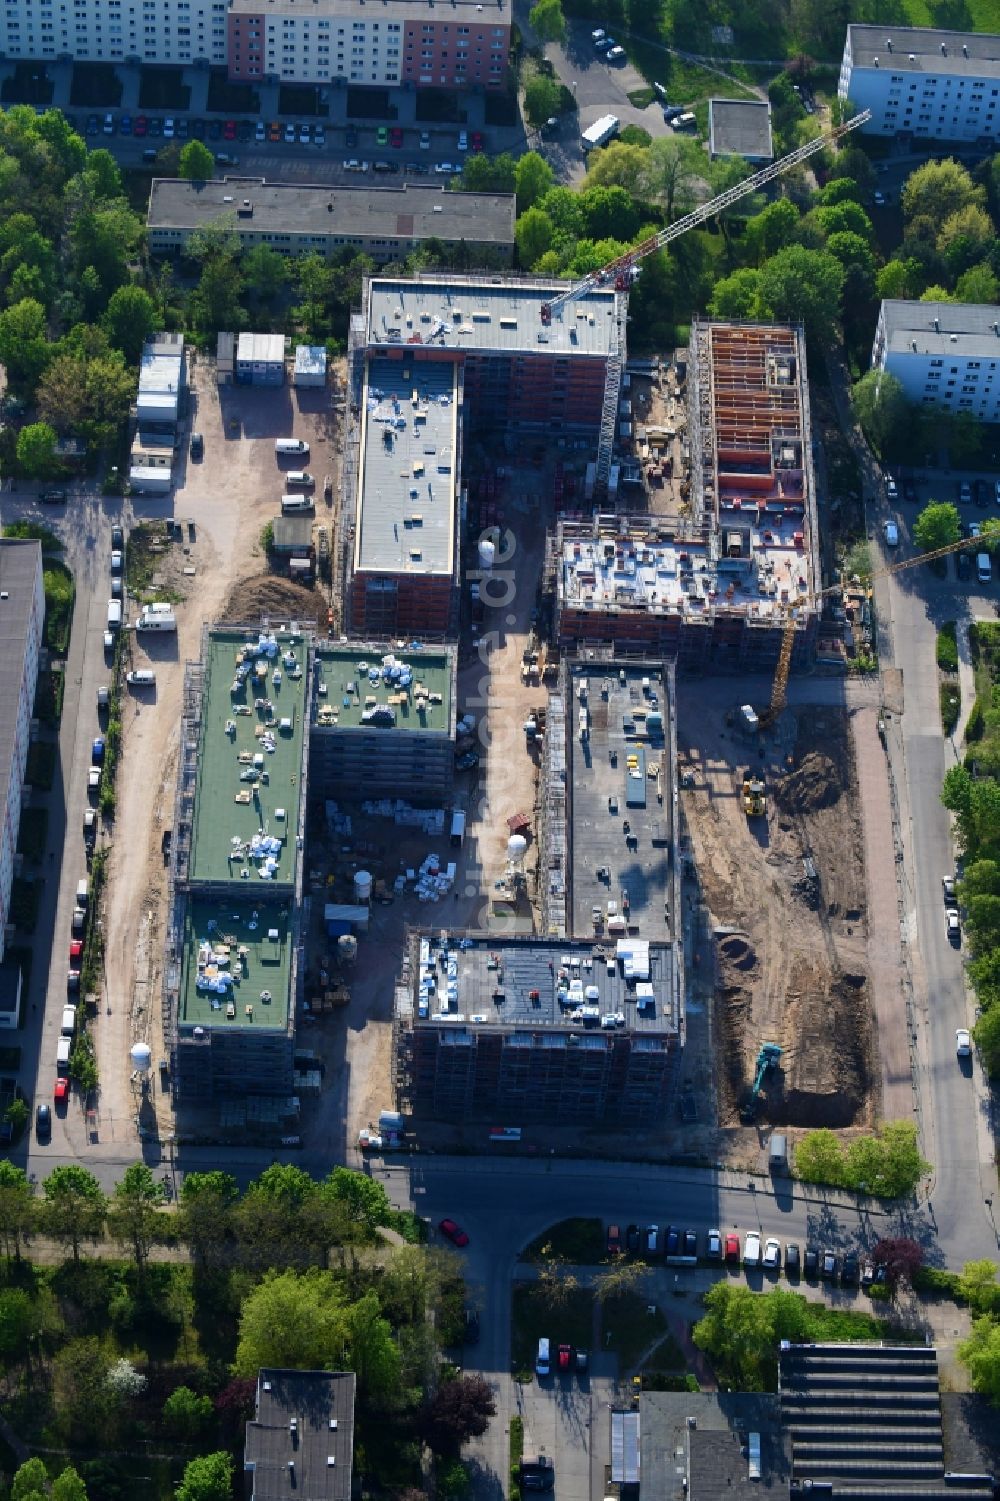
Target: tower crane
[[622, 271], [779, 685]]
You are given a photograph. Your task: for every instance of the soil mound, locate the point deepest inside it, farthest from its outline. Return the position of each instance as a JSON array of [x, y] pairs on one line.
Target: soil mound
[[268, 595], [817, 782], [738, 953]]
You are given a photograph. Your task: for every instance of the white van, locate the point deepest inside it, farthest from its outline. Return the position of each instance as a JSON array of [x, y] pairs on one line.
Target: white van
[[543, 1364], [291, 505], [284, 447], [114, 614], [162, 619], [300, 477], [68, 1022], [143, 677], [82, 894], [63, 1048], [984, 568]]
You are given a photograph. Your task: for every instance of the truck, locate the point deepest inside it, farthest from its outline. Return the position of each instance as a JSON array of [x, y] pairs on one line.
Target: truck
[[601, 132], [162, 619], [457, 827]]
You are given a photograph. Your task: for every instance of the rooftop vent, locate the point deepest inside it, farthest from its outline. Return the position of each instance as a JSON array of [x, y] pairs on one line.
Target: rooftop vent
[[965, 50], [944, 49], [953, 338], [888, 42], [937, 325], [913, 57]]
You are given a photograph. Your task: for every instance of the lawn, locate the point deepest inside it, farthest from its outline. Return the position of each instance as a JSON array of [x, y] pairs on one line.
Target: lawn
[[580, 1240], [629, 1328], [143, 552], [60, 592], [533, 1316]]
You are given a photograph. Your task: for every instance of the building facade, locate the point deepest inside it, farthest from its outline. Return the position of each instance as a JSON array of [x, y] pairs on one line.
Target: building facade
[[387, 223], [918, 81], [22, 616], [944, 354], [178, 32], [409, 42]]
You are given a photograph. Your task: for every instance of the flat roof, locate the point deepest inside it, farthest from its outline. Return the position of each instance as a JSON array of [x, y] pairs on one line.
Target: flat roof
[[917, 49], [488, 316], [20, 569], [230, 961], [397, 10], [605, 791], [695, 1444], [693, 579], [261, 349], [405, 521], [740, 127], [405, 211], [259, 715], [321, 1447], [310, 359], [400, 687], [561, 986], [942, 328]]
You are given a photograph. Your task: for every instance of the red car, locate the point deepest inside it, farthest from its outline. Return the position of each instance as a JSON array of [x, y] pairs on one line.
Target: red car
[[61, 1090], [565, 1357], [229, 130], [139, 128], [476, 140], [614, 1240], [453, 1232], [396, 136], [75, 954], [733, 1248]]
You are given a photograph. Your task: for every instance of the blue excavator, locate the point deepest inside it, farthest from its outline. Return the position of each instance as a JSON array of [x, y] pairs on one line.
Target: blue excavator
[[767, 1058]]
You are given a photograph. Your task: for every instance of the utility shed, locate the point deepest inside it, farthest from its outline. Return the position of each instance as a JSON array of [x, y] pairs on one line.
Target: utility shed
[[260, 359], [740, 127], [310, 365], [292, 534], [225, 359], [625, 1449]]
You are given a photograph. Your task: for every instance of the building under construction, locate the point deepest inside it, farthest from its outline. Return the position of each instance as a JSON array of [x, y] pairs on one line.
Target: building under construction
[[429, 358], [715, 595]]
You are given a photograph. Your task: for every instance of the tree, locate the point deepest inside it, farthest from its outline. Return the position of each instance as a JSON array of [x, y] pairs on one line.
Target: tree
[[186, 1415], [36, 450], [197, 163], [68, 1486], [608, 211], [101, 178], [978, 284], [845, 218], [372, 1352], [672, 170], [73, 1207], [266, 272], [533, 236], [85, 1405], [123, 1381], [739, 1333], [17, 1115], [900, 279], [135, 1206], [314, 279], [206, 1211], [17, 1207], [547, 21], [489, 174], [207, 1478], [618, 165], [819, 1158], [735, 296], [803, 285], [987, 1037], [215, 302], [771, 230], [542, 98], [934, 192], [21, 1317], [617, 1280], [459, 1410], [131, 317], [31, 1480], [969, 230], [532, 179], [365, 1200], [883, 411], [977, 1285], [24, 344], [291, 1319], [889, 1163], [902, 1258], [980, 1354], [938, 525]]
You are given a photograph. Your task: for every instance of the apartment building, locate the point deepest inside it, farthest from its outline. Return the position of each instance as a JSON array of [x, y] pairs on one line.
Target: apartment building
[[22, 614], [115, 31], [387, 223], [414, 42], [944, 354], [918, 81]]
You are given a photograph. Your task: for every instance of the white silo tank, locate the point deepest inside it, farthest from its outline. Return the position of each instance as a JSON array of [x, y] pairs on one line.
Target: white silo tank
[[141, 1057], [516, 846], [362, 887], [487, 553]]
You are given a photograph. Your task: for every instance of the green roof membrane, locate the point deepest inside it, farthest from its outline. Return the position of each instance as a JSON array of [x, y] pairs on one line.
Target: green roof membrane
[[412, 691], [250, 760], [235, 956]]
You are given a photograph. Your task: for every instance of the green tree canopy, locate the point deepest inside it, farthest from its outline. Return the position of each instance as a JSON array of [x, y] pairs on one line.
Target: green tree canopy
[[671, 171], [294, 1320], [532, 179], [542, 98], [938, 525], [883, 411], [533, 236], [207, 1478], [130, 318], [24, 344], [489, 174], [775, 227], [934, 192], [36, 450], [265, 272], [987, 1036], [618, 165], [17, 1207], [803, 285], [547, 21], [135, 1206], [980, 1354], [31, 1480], [73, 1207], [197, 163], [186, 1415]]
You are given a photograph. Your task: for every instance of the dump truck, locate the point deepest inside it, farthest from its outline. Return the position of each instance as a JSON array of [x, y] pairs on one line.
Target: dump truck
[[754, 800]]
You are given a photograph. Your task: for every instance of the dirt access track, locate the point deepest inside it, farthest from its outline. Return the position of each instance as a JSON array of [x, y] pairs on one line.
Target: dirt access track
[[786, 894]]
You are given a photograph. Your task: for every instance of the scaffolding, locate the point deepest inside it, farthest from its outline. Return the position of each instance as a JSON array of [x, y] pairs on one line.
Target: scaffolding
[[612, 392], [553, 865]]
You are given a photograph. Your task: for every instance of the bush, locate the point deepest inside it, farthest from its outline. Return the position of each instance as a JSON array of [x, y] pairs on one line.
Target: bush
[[950, 696], [887, 1165], [947, 648], [936, 1282], [60, 592], [974, 725]]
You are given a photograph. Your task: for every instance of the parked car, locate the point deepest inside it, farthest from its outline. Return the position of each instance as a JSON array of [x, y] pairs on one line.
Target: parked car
[[274, 131], [964, 492], [963, 1042], [891, 531], [751, 1249], [952, 925], [811, 1263], [290, 134], [672, 1243], [732, 1249], [425, 140], [616, 54], [382, 136], [476, 140], [690, 1243], [463, 140], [453, 1232], [652, 1239], [963, 566], [168, 129], [614, 1240], [198, 129], [260, 131], [948, 887], [61, 1092], [632, 1239], [351, 138], [125, 125], [582, 1361], [117, 537], [471, 1327], [714, 1247], [197, 446], [829, 1266], [564, 1357], [181, 129], [772, 1254], [52, 497], [909, 490], [849, 1274], [793, 1264], [43, 1122], [891, 488]]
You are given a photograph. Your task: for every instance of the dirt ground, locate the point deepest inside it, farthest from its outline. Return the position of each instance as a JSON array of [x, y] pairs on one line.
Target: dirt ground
[[787, 896], [229, 497]]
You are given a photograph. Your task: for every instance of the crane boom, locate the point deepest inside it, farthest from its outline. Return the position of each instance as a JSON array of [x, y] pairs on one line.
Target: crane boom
[[620, 270]]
